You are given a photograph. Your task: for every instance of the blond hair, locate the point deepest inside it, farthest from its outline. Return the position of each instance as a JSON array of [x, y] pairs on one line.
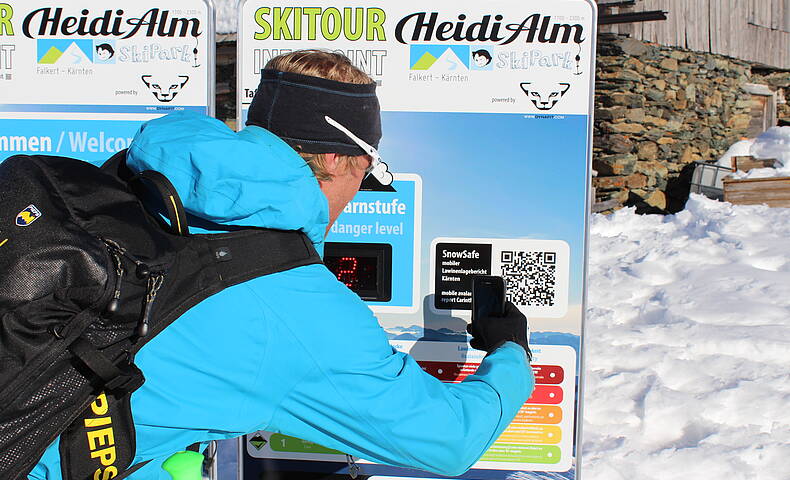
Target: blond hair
[[331, 66]]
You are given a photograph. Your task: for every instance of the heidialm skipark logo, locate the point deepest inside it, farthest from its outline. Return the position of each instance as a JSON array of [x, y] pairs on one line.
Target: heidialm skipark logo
[[494, 28], [27, 216], [440, 57], [65, 22]]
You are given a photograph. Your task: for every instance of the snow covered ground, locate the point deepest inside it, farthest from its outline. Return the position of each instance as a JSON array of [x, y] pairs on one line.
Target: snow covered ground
[[688, 345]]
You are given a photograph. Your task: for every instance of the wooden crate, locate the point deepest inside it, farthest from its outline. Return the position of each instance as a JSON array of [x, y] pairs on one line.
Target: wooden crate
[[746, 163], [774, 192]]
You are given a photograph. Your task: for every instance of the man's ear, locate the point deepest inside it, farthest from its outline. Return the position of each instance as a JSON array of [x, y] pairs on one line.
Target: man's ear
[[332, 163]]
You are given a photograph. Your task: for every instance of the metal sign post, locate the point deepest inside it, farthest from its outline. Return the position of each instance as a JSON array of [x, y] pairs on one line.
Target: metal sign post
[[487, 125], [78, 79]]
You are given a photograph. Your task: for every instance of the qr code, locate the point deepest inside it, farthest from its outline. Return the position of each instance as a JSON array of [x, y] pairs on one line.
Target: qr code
[[530, 277]]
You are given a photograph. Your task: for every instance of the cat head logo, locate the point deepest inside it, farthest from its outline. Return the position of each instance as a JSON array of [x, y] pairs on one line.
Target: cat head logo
[[165, 87], [27, 216], [545, 96]]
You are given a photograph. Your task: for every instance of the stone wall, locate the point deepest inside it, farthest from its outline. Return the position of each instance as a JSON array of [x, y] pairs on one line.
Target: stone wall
[[657, 110]]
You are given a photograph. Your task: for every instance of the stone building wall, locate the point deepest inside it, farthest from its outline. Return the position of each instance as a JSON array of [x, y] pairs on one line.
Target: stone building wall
[[657, 110]]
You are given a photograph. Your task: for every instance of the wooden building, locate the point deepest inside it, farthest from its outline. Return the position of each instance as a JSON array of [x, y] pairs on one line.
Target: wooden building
[[757, 31], [678, 82]]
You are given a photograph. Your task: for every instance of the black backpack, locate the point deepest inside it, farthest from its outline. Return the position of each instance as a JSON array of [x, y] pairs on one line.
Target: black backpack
[[89, 272]]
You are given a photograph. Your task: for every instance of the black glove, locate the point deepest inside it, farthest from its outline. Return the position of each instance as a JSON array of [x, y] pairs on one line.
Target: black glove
[[489, 333]]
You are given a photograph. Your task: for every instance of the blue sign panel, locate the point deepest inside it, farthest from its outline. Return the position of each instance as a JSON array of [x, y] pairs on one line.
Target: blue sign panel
[[390, 219]]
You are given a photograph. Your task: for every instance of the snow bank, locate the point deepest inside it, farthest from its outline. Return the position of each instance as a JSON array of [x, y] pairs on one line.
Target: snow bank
[[688, 344], [773, 143], [740, 148]]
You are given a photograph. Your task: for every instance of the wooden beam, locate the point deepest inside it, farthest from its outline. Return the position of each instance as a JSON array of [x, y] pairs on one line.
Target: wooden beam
[[616, 3], [632, 17]]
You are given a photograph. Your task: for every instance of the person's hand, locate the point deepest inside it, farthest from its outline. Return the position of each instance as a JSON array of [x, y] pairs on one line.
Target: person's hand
[[489, 333]]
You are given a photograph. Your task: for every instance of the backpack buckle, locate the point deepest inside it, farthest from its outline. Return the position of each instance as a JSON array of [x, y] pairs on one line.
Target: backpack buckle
[[130, 379], [125, 377]]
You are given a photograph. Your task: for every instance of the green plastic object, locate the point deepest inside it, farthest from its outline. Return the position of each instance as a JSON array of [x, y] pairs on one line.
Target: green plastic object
[[185, 466]]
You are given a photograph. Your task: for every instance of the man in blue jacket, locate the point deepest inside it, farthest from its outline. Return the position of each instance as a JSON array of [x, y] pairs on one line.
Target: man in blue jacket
[[297, 352]]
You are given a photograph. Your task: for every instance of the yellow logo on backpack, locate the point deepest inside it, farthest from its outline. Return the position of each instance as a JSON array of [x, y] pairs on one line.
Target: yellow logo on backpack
[[101, 439]]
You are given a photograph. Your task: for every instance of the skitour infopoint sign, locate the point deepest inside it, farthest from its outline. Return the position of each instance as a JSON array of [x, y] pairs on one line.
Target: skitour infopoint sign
[[486, 114], [78, 78]]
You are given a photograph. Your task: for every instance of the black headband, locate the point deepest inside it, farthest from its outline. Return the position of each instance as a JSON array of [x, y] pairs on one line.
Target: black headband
[[293, 107]]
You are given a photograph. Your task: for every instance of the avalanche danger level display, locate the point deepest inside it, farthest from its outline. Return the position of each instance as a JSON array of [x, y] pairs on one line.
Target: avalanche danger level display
[[541, 435], [539, 438]]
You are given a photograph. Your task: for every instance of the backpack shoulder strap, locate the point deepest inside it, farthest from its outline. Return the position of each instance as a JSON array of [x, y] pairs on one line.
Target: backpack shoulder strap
[[238, 256]]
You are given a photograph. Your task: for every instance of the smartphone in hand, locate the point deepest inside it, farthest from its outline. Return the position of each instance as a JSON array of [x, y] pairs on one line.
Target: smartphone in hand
[[488, 296]]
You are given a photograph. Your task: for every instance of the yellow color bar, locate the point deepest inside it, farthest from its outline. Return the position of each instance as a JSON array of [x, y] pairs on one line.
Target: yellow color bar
[[3, 242]]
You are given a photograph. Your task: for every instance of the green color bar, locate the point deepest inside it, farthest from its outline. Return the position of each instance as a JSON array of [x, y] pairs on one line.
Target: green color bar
[[284, 443], [523, 453]]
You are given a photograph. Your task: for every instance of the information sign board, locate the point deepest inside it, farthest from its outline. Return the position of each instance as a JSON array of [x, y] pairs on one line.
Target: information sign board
[[486, 114], [78, 79]]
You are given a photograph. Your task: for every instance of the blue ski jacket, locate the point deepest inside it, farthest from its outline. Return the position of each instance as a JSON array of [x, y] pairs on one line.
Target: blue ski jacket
[[294, 352]]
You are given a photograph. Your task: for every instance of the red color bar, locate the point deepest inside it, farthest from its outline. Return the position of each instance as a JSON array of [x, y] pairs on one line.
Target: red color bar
[[546, 394], [548, 374], [449, 371]]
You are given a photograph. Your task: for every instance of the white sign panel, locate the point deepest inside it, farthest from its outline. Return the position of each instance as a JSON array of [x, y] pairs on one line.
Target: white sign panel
[[77, 79], [489, 104]]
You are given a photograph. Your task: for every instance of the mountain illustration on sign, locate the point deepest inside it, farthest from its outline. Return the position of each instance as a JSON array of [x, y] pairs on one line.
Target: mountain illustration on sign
[[73, 56], [449, 60], [425, 62], [52, 56]]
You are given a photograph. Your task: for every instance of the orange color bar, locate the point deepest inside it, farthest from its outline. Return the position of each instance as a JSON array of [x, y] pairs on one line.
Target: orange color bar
[[539, 414]]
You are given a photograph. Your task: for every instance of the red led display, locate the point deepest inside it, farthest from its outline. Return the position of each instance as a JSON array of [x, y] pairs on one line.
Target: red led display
[[365, 268], [359, 273]]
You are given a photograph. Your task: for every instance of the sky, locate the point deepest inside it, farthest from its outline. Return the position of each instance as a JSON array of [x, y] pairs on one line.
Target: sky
[[511, 177]]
